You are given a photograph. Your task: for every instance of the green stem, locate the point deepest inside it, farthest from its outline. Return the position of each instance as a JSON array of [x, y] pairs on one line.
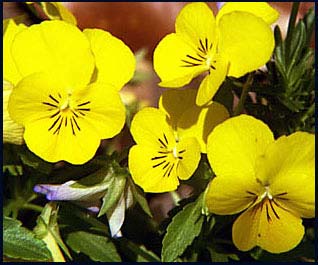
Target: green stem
[[307, 114], [245, 90], [31, 206]]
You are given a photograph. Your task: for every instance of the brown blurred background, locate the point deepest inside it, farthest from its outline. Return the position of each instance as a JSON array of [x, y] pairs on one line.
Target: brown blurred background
[[140, 24]]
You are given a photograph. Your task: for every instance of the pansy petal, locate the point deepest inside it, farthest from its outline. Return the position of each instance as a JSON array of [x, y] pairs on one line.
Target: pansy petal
[[172, 64], [115, 62], [246, 40], [10, 71], [211, 83], [150, 174], [149, 127], [174, 102], [268, 226], [196, 23], [259, 9], [245, 228], [26, 102], [231, 195], [291, 161], [106, 111], [55, 145], [189, 155], [56, 47], [234, 145], [199, 122]]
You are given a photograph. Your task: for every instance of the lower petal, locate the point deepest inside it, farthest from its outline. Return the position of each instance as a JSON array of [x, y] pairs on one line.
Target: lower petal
[[279, 230], [274, 229], [53, 145], [211, 83], [151, 175]]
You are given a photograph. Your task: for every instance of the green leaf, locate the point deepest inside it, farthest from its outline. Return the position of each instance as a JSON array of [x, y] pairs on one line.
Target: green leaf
[[19, 242], [98, 248], [297, 45], [183, 229], [114, 191]]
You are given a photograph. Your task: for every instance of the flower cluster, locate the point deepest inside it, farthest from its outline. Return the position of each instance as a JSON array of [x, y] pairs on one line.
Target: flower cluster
[[61, 92], [237, 41]]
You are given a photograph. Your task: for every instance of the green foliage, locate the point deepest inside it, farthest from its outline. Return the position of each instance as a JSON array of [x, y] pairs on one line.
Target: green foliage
[[116, 189], [98, 248], [285, 94], [20, 243], [184, 228]]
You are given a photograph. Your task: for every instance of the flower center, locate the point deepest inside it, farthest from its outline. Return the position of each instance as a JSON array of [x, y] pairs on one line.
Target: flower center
[[201, 57], [266, 194], [166, 158], [66, 113]]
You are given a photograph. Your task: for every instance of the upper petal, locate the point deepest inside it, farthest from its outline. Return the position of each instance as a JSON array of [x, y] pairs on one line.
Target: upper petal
[[10, 70], [234, 145], [199, 122], [196, 23], [289, 169], [115, 62], [172, 64], [150, 127], [259, 9], [56, 47], [246, 40]]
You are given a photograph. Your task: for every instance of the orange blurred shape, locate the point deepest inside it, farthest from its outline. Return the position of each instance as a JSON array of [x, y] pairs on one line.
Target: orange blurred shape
[[144, 24]]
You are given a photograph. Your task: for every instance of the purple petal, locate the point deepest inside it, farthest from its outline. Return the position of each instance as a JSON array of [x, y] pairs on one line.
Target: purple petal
[[220, 4]]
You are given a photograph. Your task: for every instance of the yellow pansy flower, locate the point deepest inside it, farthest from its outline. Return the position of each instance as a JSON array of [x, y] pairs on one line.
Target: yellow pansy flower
[[270, 181], [62, 94], [12, 132], [187, 118], [160, 157], [239, 40]]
